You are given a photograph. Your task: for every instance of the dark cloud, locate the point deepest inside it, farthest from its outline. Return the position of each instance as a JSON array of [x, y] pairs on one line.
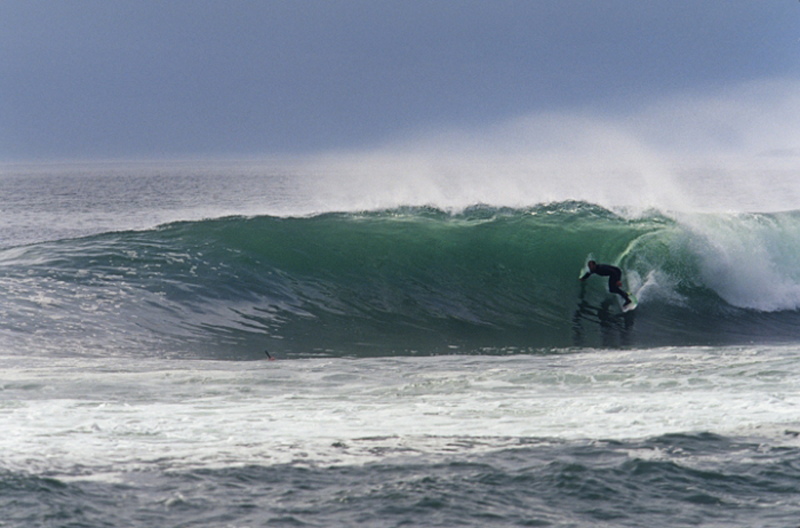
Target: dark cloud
[[161, 79]]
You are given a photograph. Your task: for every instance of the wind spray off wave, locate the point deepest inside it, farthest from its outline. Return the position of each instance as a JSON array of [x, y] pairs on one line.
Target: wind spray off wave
[[732, 150]]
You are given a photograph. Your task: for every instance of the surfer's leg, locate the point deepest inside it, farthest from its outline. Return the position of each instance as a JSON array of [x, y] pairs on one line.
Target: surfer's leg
[[613, 288]]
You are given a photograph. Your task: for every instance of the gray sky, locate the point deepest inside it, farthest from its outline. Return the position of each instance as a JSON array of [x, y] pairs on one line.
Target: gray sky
[[157, 79]]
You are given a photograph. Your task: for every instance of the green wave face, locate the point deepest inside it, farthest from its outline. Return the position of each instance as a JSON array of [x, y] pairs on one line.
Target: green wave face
[[413, 281]]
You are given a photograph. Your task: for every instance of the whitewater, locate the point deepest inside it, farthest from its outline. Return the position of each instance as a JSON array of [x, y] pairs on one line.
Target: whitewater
[[399, 337]]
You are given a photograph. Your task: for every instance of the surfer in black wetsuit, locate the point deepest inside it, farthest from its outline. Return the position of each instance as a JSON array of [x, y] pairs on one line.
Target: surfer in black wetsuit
[[614, 275]]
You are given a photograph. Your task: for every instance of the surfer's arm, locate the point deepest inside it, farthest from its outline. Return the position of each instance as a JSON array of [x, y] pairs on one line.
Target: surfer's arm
[[586, 275]]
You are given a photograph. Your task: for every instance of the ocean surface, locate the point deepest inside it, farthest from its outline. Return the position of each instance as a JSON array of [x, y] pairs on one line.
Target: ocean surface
[[280, 344]]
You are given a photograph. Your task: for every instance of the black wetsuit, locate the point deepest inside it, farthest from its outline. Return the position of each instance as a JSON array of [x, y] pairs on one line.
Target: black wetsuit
[[614, 275]]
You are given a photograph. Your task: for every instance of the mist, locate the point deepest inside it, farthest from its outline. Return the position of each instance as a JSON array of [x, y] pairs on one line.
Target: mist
[[673, 153]]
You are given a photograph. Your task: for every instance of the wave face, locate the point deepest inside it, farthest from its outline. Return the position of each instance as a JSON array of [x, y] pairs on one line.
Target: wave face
[[406, 281]]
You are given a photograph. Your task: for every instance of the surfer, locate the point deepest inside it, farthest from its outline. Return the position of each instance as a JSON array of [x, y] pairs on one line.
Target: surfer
[[614, 275]]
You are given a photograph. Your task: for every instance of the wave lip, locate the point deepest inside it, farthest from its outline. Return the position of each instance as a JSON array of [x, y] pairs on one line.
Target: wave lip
[[410, 280]]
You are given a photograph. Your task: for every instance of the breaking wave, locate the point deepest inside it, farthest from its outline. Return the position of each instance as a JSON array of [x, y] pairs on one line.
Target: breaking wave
[[406, 281]]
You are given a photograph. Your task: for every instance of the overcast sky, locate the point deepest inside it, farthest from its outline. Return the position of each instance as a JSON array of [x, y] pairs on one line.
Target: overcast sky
[[179, 78]]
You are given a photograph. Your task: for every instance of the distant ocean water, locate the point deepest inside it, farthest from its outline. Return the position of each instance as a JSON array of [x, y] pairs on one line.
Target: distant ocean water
[[434, 365]]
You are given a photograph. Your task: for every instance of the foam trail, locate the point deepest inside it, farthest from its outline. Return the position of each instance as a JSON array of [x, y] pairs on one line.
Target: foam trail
[[116, 415]]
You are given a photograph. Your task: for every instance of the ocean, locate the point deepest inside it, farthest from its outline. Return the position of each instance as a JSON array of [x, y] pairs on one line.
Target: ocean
[[275, 343]]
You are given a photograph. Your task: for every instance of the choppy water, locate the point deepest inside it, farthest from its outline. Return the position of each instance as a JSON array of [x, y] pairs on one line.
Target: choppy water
[[432, 367]]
